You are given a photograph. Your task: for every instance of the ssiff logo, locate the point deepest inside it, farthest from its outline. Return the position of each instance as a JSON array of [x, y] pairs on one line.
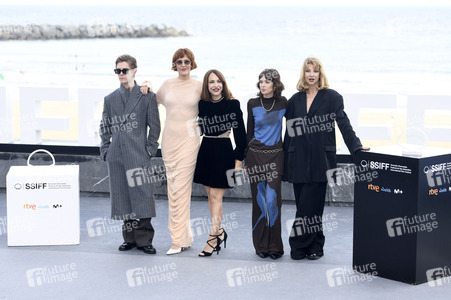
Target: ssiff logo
[[438, 276]]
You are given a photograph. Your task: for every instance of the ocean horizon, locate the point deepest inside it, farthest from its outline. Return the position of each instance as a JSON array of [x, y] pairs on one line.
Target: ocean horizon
[[400, 50]]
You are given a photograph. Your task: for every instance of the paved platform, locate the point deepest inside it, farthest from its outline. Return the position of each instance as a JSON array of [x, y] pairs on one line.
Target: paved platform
[[95, 269]]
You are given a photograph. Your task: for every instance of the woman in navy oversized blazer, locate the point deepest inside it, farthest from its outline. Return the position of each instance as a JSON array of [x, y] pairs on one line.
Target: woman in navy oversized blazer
[[310, 151]]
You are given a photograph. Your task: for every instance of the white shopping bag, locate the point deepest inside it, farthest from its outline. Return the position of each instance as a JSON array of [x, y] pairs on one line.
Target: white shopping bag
[[43, 204]]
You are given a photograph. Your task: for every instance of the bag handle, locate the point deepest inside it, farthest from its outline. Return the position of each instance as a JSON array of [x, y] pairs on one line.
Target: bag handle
[[40, 150]]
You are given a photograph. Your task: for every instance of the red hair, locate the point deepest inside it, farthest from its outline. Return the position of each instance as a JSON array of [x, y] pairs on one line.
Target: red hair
[[181, 53]]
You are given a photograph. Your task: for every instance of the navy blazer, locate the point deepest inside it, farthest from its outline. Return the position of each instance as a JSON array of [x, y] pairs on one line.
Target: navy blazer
[[309, 144]]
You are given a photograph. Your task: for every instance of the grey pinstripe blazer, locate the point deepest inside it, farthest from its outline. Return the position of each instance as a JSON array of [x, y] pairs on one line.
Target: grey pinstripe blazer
[[127, 145]]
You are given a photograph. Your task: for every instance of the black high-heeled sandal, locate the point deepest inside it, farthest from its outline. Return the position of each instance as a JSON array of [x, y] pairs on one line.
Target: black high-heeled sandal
[[216, 248], [224, 239]]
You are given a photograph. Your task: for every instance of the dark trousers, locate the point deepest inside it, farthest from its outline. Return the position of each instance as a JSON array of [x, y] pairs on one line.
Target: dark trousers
[[307, 232], [139, 231]]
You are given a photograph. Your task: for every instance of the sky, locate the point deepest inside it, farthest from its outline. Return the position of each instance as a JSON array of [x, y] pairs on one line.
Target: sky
[[242, 2]]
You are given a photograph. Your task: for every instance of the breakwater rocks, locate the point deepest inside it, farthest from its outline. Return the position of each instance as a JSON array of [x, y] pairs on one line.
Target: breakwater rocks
[[55, 32]]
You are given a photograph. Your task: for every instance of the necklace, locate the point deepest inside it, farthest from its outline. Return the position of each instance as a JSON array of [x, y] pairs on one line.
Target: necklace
[[216, 101], [261, 102]]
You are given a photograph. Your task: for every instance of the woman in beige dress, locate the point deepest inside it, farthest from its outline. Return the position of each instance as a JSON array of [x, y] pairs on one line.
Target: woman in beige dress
[[180, 144]]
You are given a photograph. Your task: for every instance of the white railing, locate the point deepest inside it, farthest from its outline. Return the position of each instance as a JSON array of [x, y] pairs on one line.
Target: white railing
[[383, 119]]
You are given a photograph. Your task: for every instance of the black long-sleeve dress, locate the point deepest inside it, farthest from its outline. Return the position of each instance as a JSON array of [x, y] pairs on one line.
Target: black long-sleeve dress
[[216, 157]]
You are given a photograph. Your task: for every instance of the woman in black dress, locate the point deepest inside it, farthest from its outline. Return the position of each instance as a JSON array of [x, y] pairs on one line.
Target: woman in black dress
[[264, 163], [310, 150], [219, 114]]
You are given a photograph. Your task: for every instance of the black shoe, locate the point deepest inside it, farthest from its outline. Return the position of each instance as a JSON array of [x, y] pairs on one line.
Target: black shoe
[[262, 254], [148, 249], [314, 256], [297, 256], [214, 248], [127, 246], [275, 255], [224, 239]]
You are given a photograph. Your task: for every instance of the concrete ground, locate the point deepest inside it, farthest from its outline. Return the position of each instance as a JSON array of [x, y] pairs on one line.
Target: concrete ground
[[95, 269]]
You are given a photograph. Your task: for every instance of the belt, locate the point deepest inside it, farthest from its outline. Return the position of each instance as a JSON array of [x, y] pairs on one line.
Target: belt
[[265, 151]]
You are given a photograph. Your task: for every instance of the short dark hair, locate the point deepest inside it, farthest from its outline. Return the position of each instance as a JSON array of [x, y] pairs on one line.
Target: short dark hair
[[274, 76], [128, 59], [179, 54]]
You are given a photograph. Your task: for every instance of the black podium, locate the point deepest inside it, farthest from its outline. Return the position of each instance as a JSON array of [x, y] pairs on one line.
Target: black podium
[[402, 218]]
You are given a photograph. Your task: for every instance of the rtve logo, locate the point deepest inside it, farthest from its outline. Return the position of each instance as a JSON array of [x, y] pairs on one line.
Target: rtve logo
[[373, 187], [433, 192]]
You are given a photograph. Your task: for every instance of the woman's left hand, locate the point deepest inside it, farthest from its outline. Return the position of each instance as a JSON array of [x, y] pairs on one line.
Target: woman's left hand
[[365, 148], [238, 164]]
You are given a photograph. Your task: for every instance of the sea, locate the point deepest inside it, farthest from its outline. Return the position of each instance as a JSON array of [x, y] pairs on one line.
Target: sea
[[388, 50]]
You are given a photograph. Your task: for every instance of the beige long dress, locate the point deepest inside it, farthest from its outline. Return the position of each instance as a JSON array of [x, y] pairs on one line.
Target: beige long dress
[[179, 147]]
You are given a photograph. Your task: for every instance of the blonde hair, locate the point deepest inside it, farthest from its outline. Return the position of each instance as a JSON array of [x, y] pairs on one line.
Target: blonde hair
[[302, 84]]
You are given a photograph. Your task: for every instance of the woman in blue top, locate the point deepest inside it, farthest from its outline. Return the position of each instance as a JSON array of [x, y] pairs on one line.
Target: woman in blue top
[[264, 163]]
